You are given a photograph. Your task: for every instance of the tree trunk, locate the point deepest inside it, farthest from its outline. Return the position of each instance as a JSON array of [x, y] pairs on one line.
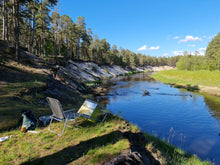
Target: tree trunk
[[33, 32], [41, 35], [44, 44], [16, 26], [6, 22], [3, 21], [17, 30]]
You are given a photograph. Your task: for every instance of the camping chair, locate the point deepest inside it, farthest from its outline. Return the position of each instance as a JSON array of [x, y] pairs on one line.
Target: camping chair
[[87, 109], [60, 115]]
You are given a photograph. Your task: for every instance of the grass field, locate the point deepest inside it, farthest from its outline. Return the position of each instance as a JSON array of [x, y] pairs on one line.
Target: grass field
[[206, 78]]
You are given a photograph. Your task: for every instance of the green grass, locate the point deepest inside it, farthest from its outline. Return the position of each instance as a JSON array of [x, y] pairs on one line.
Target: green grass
[[204, 77], [131, 73], [93, 83], [92, 143], [98, 142], [174, 156], [18, 96]]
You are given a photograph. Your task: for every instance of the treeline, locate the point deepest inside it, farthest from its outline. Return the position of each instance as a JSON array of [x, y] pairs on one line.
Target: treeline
[[33, 25], [211, 60], [192, 62]]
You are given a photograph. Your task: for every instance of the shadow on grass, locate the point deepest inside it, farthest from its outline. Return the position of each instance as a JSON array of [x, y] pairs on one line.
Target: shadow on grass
[[72, 153], [12, 75]]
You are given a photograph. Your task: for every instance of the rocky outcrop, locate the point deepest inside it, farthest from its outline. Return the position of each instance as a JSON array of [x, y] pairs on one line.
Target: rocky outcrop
[[89, 71], [78, 74]]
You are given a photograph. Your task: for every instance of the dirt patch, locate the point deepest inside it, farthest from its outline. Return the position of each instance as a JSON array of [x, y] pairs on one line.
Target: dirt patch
[[215, 91]]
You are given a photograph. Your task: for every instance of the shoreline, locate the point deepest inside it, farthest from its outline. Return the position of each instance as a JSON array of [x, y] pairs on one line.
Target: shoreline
[[188, 81]]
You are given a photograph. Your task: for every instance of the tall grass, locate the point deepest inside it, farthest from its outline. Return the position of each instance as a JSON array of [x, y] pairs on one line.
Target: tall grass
[[174, 156]]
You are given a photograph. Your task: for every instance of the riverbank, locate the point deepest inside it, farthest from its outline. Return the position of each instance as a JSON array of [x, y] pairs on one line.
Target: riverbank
[[26, 84], [112, 142], [205, 81]]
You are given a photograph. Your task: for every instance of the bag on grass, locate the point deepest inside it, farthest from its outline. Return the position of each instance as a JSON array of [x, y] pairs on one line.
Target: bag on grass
[[29, 121]]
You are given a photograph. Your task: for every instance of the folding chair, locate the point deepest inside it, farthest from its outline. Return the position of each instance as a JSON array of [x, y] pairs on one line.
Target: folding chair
[[86, 110], [60, 115]]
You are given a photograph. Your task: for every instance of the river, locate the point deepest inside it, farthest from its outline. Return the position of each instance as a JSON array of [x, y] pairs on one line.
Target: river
[[185, 119]]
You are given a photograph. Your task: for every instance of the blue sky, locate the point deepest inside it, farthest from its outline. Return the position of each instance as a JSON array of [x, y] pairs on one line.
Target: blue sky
[[151, 27]]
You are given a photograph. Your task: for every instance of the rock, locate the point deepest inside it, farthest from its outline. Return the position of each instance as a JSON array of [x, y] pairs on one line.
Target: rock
[[146, 92]]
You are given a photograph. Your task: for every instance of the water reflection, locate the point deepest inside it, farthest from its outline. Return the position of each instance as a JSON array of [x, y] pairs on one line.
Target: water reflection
[[184, 119], [214, 106]]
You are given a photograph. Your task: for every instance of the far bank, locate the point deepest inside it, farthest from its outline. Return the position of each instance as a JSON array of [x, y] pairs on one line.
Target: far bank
[[205, 81]]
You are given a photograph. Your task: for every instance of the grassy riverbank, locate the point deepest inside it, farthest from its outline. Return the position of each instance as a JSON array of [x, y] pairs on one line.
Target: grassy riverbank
[[207, 81], [92, 143]]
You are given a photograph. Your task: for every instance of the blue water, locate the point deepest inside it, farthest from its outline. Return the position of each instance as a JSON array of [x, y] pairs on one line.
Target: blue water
[[180, 117]]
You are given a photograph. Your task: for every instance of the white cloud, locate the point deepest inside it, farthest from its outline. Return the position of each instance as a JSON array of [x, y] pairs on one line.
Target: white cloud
[[190, 38], [191, 45], [154, 48], [142, 48], [176, 37], [201, 49], [178, 52], [146, 48]]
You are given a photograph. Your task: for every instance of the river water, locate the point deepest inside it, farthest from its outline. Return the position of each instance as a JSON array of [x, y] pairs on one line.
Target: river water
[[186, 120]]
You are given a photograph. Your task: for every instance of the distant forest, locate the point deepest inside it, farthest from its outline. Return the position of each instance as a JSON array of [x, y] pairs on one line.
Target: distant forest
[[37, 26]]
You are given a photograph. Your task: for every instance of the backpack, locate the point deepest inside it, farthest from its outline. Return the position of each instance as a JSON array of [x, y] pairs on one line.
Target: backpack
[[29, 121]]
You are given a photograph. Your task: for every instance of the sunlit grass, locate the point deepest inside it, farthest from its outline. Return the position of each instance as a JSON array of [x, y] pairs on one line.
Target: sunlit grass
[[203, 77], [24, 147]]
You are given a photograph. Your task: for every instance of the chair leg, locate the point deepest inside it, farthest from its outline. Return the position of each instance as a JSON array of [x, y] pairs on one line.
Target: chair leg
[[104, 117], [76, 123], [65, 124], [60, 134], [50, 123]]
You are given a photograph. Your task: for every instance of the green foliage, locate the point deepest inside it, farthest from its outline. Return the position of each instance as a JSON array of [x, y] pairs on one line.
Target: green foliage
[[213, 53], [190, 62], [45, 33]]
